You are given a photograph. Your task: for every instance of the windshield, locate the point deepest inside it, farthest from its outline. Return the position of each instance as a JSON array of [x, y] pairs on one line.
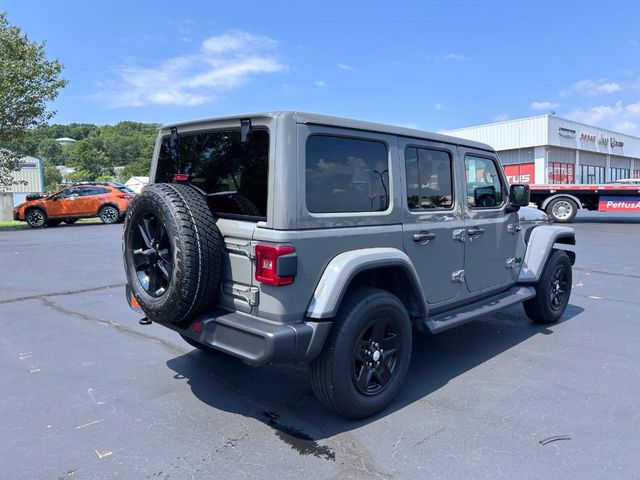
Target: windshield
[[234, 175]]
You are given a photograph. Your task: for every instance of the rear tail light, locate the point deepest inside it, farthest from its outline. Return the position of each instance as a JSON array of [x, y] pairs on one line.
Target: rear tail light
[[124, 196], [181, 177], [275, 264]]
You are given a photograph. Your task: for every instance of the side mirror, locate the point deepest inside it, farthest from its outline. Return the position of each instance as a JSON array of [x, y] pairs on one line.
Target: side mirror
[[519, 195]]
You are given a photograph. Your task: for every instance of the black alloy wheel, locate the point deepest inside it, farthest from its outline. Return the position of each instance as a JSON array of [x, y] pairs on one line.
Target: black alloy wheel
[[558, 287], [172, 252], [366, 355], [152, 255], [552, 291], [375, 357]]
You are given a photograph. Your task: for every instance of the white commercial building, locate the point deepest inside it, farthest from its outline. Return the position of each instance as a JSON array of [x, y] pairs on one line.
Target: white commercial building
[[548, 149], [29, 179]]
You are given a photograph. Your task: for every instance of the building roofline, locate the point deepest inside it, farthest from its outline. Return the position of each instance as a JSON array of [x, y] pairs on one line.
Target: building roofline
[[511, 120], [548, 116]]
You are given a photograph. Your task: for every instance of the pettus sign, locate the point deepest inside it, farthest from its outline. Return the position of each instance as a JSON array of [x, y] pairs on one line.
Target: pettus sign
[[619, 204], [520, 173]]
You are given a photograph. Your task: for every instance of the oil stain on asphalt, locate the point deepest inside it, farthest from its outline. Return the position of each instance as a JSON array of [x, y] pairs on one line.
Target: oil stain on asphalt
[[298, 440]]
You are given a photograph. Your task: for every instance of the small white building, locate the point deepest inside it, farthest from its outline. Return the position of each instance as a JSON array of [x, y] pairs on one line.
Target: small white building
[[65, 171], [65, 141], [30, 180], [547, 149], [137, 183]]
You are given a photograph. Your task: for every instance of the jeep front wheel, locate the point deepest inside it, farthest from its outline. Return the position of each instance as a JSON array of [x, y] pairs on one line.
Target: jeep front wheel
[[552, 291], [366, 357]]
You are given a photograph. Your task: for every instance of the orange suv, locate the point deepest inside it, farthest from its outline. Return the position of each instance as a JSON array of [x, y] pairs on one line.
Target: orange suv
[[109, 201]]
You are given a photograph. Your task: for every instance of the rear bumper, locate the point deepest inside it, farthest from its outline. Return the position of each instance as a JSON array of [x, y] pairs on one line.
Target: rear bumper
[[257, 341], [253, 340]]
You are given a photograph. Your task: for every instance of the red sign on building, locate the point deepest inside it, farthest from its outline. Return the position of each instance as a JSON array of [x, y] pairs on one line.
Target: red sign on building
[[521, 173]]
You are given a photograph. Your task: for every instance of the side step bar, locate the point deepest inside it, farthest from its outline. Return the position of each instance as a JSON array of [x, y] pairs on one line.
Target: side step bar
[[458, 316]]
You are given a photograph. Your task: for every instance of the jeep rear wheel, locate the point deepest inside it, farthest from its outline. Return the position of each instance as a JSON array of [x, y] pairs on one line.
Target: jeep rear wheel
[[552, 291], [36, 218], [172, 253], [366, 357]]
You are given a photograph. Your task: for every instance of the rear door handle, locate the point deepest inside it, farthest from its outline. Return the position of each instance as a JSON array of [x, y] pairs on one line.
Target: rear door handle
[[424, 237], [475, 232]]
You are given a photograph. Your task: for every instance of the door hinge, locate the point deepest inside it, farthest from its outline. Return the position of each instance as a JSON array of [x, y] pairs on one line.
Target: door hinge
[[457, 276], [513, 262], [240, 246], [513, 228], [460, 234], [247, 293]]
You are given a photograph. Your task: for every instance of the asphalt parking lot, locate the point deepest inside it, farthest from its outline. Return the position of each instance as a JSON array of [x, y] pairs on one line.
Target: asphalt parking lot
[[89, 393]]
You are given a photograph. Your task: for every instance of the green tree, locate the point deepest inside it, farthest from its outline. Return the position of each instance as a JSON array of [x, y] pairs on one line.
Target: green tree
[[28, 82], [52, 176], [51, 151], [88, 160]]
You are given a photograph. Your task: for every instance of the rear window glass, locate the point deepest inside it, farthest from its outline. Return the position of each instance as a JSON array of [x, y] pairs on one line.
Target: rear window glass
[[234, 175], [346, 175], [429, 178]]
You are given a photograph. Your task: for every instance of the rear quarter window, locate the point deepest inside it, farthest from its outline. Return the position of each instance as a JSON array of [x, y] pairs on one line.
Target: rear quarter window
[[346, 175]]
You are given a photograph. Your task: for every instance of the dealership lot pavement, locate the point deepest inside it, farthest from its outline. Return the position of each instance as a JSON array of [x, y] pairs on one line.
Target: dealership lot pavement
[[89, 393]]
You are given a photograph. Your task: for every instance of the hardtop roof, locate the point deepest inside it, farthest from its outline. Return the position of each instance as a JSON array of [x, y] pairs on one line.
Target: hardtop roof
[[328, 120]]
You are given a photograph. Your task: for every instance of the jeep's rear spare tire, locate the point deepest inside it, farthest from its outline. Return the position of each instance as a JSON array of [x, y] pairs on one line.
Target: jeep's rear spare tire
[[172, 253]]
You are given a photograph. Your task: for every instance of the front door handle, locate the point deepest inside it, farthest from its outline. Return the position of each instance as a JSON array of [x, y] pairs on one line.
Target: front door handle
[[424, 237], [475, 232]]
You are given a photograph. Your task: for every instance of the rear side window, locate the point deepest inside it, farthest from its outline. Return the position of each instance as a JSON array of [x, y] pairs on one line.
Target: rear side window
[[234, 175], [429, 179], [346, 175]]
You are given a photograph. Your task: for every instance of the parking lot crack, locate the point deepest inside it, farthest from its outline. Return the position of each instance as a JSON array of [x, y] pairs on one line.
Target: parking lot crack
[[109, 323], [60, 294]]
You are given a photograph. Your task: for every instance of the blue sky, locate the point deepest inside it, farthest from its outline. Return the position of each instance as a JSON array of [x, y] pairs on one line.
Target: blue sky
[[433, 65]]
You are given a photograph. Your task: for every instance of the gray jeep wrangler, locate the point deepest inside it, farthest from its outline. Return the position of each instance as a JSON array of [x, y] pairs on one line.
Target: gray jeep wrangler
[[295, 237]]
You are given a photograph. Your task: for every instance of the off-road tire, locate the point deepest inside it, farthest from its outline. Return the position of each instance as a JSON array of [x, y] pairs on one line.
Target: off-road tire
[[53, 223], [245, 206], [562, 210], [541, 308], [36, 218], [332, 372], [109, 214], [195, 249]]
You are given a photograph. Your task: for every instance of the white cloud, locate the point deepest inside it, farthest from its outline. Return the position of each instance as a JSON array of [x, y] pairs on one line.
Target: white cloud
[[438, 106], [454, 57], [344, 66], [619, 117], [543, 105], [319, 83], [501, 117], [592, 88], [223, 62]]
